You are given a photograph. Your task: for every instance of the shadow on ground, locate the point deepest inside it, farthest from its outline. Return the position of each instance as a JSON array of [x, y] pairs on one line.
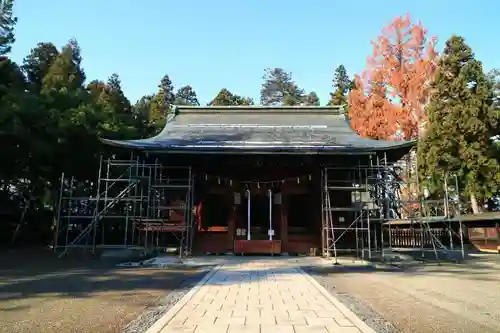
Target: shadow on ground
[[41, 293], [32, 280], [24, 274]]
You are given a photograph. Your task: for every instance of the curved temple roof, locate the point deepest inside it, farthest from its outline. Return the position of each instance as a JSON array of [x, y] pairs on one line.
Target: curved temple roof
[[308, 129]]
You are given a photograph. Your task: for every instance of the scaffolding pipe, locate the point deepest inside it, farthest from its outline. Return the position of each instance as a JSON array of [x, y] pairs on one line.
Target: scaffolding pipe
[[58, 215], [70, 208], [190, 219], [386, 199], [447, 212], [459, 212], [114, 205], [103, 241], [248, 214], [127, 207], [323, 221], [270, 194]]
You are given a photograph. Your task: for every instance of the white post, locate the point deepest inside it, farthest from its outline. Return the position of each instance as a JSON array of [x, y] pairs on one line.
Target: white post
[[248, 215], [270, 232]]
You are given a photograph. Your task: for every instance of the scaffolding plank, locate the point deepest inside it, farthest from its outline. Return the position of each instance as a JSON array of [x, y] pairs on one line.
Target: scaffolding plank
[[347, 188], [170, 207], [343, 209], [170, 186], [430, 219]]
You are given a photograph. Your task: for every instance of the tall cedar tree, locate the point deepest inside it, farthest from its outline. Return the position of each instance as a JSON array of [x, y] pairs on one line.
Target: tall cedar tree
[[404, 62], [120, 107], [226, 98], [461, 124], [141, 111], [18, 116], [65, 72], [279, 89], [163, 99], [72, 118], [37, 64], [342, 84], [118, 96], [494, 77], [7, 24]]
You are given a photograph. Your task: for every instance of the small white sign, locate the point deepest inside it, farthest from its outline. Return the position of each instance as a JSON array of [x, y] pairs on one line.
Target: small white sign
[[237, 198], [270, 232], [277, 199], [341, 219]]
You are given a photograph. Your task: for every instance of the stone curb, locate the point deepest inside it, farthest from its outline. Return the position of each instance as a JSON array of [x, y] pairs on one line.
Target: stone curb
[[167, 317], [361, 325]]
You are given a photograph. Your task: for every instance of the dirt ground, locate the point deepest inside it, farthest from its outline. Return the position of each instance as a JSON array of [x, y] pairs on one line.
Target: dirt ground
[[425, 298], [40, 293]]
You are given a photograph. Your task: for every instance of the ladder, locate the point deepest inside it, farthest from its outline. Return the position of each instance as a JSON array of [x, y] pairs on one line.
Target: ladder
[[186, 244], [437, 245], [330, 234], [328, 226]]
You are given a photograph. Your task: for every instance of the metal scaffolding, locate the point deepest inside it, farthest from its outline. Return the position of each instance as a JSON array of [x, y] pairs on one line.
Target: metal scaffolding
[[346, 206], [374, 210], [133, 204], [426, 224]]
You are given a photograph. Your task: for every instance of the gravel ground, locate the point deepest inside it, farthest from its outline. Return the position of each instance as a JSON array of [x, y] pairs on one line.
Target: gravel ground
[[152, 314], [364, 312], [39, 293], [420, 298]]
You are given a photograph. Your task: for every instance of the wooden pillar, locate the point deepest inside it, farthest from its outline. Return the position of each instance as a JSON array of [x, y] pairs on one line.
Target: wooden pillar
[[231, 226], [284, 222], [317, 203], [497, 227]]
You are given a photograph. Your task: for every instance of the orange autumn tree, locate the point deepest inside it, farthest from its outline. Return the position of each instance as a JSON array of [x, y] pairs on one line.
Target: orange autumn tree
[[390, 96]]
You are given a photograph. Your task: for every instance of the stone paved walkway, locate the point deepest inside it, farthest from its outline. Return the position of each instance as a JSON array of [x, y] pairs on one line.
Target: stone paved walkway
[[261, 296]]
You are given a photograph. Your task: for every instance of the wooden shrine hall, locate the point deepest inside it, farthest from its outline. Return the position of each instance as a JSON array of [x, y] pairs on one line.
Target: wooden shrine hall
[[261, 179]]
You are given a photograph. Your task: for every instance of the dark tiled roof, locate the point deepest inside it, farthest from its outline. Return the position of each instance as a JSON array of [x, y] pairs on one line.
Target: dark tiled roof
[[255, 128]]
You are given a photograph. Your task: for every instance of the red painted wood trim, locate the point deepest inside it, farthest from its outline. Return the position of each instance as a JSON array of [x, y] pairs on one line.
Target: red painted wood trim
[[284, 220], [214, 229], [257, 246], [231, 223]]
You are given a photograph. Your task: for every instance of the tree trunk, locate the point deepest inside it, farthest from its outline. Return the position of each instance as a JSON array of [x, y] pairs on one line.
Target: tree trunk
[[476, 207]]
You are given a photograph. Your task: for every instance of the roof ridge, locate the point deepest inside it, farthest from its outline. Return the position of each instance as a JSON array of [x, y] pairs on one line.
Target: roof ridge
[[330, 109]]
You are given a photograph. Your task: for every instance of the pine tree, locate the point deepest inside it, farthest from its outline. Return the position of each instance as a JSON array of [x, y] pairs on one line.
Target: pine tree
[[460, 127], [226, 98], [311, 99], [186, 96], [279, 89]]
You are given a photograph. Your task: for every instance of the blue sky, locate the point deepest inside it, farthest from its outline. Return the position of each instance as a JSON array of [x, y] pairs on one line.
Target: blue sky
[[221, 43]]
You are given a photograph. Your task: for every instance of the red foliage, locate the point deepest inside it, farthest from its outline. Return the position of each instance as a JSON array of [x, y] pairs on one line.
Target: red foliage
[[392, 93]]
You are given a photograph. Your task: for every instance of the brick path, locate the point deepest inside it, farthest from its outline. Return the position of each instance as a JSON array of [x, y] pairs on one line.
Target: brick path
[[260, 296]]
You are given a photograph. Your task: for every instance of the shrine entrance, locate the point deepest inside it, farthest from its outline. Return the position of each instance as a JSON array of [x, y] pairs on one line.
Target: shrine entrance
[[258, 226]]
